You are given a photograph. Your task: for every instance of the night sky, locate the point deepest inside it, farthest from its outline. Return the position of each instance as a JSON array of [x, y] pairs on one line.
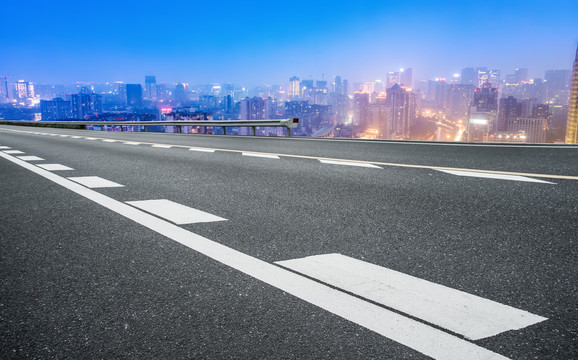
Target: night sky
[[256, 42]]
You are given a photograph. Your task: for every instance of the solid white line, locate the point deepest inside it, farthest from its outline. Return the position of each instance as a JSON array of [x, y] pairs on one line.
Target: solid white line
[[13, 151], [30, 158], [175, 212], [131, 143], [201, 150], [349, 163], [162, 146], [416, 335], [94, 182], [54, 167], [5, 147], [267, 156], [493, 176], [466, 314]]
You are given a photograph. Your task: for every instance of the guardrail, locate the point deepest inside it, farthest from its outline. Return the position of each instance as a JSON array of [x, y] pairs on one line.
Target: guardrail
[[289, 124]]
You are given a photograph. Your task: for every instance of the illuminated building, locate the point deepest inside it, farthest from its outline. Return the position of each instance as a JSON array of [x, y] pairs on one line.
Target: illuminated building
[[4, 90], [406, 77], [337, 86], [458, 100], [535, 128], [134, 95], [179, 95], [392, 79], [509, 109], [360, 111], [150, 87], [85, 105], [403, 111], [572, 123], [56, 109], [23, 90], [294, 88], [436, 92]]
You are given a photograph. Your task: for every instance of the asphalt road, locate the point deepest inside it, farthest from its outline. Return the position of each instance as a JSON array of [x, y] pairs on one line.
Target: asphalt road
[[83, 280]]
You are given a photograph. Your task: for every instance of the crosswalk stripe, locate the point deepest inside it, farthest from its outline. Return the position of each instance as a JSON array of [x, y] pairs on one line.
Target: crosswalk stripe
[[54, 167], [94, 182]]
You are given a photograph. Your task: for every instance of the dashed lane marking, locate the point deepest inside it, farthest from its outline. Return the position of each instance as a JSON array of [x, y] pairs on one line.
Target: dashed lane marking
[[267, 156], [200, 149], [131, 143], [109, 140], [91, 138], [462, 313], [494, 176], [349, 163], [379, 163], [5, 147], [30, 158], [162, 146], [175, 212], [54, 167], [94, 182], [423, 338]]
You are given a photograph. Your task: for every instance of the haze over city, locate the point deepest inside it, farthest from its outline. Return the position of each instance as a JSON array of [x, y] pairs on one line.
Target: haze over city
[[259, 42]]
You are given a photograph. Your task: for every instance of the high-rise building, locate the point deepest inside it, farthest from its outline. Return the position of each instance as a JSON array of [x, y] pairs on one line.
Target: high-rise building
[[337, 86], [4, 90], [294, 88], [150, 87], [558, 79], [469, 76], [255, 108], [361, 111], [572, 123], [406, 77], [55, 109], [134, 95], [84, 105], [458, 100], [520, 75], [392, 79], [509, 110], [486, 98], [403, 111]]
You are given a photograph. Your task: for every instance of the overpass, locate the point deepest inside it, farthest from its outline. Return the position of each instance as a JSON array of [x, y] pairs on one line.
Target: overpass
[[148, 245]]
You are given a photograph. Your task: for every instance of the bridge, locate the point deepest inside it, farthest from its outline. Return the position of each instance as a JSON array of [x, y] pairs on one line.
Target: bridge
[[151, 245]]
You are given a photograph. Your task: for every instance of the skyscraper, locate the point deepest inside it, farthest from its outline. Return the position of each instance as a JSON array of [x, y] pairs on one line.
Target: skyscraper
[[572, 123], [406, 77], [294, 89], [150, 86], [134, 94]]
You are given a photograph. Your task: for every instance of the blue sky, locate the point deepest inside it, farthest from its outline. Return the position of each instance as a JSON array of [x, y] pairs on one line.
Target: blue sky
[[253, 42]]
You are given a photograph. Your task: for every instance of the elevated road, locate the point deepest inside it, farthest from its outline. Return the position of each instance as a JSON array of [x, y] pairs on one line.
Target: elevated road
[[142, 245]]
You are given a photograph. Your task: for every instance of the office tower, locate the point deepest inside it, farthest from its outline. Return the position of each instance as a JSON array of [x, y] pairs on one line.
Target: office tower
[[337, 86], [179, 94], [255, 108], [403, 111], [469, 76], [572, 123], [436, 93], [4, 91], [56, 109], [392, 79], [558, 79], [23, 90], [84, 105], [458, 100], [406, 77], [509, 110], [150, 87], [346, 87], [360, 111], [534, 128], [520, 75], [134, 95], [294, 88], [486, 98]]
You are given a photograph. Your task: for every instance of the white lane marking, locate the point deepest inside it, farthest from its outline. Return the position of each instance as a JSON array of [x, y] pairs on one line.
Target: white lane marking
[[109, 140], [54, 167], [411, 333], [466, 314], [175, 212], [348, 163], [64, 135], [162, 146], [94, 182], [53, 134], [131, 143], [90, 138], [5, 147], [267, 156], [493, 176], [76, 137], [30, 158], [201, 149], [13, 151]]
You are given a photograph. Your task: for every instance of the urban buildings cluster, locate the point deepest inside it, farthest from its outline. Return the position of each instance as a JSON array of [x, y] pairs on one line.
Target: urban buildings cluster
[[480, 104]]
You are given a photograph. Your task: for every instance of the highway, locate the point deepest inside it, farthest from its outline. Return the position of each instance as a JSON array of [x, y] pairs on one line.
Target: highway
[[148, 245]]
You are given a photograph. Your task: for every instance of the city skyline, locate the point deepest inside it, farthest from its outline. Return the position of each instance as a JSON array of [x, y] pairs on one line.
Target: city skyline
[[260, 43]]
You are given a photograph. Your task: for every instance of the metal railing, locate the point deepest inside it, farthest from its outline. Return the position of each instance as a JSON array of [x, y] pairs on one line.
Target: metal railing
[[289, 124]]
